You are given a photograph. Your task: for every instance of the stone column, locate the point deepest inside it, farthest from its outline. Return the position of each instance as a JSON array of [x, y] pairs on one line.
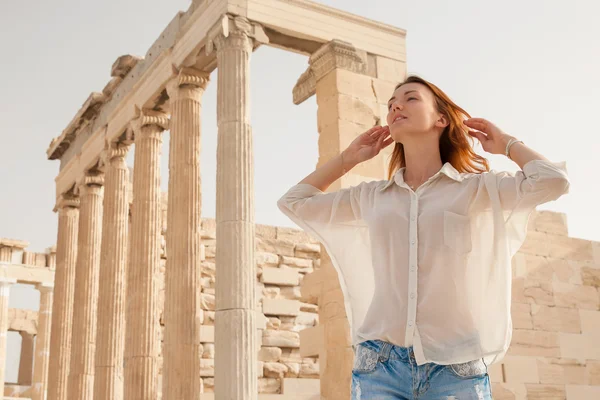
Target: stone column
[[62, 307], [42, 342], [142, 329], [83, 342], [351, 98], [26, 359], [5, 284], [108, 381], [182, 314], [235, 315]]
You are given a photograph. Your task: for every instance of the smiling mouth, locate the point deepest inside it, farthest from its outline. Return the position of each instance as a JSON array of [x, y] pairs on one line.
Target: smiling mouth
[[398, 119]]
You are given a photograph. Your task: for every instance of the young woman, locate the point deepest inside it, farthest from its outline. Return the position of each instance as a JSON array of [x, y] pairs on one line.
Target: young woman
[[424, 258]]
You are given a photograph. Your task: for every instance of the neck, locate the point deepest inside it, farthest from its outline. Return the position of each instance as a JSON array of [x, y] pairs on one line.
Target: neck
[[422, 160]]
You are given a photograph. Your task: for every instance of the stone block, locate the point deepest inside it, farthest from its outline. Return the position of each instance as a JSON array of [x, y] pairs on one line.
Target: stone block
[[276, 246], [308, 248], [309, 370], [207, 301], [570, 248], [297, 262], [280, 276], [590, 276], [561, 371], [536, 243], [566, 271], [550, 222], [576, 296], [266, 259], [521, 316], [207, 367], [534, 343], [270, 292], [209, 350], [266, 231], [555, 319], [518, 369], [581, 392], [545, 392], [301, 386], [207, 334], [390, 70], [293, 370], [275, 370], [291, 293], [281, 307], [291, 355], [293, 235], [345, 82], [269, 354], [592, 372], [307, 319], [273, 323], [506, 391], [539, 292], [311, 287], [578, 346], [281, 339], [590, 323], [269, 385]]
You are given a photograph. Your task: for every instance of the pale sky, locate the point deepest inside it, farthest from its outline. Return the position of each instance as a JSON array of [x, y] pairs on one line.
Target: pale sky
[[530, 67]]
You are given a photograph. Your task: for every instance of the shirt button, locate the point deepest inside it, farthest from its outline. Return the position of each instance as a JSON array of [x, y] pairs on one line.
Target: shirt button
[[413, 242], [412, 295], [412, 218], [410, 323]]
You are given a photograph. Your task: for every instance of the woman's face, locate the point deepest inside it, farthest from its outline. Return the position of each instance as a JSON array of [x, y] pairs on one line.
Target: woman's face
[[412, 111]]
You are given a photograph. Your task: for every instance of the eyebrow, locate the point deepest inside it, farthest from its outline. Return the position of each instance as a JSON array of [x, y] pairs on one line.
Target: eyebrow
[[410, 91]]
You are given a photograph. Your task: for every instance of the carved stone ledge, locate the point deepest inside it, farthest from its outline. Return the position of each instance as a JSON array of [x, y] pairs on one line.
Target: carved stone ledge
[[246, 35], [123, 65]]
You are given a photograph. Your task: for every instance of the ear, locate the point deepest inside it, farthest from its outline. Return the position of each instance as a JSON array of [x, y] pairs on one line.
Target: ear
[[442, 121]]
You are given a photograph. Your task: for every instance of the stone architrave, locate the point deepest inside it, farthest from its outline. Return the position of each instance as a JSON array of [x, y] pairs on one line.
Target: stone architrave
[[347, 107], [235, 317], [26, 360], [108, 381], [62, 307], [42, 342], [182, 314], [5, 284], [83, 342], [142, 341]]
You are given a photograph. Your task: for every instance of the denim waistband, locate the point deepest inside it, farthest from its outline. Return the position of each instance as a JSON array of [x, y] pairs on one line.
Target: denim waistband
[[389, 351]]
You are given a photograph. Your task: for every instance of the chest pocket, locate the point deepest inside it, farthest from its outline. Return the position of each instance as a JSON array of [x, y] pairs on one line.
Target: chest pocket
[[457, 232]]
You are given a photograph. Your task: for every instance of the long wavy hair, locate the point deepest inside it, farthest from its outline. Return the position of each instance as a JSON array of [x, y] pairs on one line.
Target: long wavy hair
[[455, 143]]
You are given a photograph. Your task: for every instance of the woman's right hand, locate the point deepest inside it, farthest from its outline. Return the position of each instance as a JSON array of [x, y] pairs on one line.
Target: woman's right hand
[[367, 145]]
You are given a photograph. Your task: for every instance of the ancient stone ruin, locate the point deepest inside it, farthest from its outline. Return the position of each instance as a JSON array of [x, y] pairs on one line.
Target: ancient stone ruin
[[153, 301]]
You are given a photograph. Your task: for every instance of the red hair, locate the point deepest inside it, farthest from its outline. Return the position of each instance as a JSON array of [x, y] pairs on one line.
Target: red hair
[[455, 142]]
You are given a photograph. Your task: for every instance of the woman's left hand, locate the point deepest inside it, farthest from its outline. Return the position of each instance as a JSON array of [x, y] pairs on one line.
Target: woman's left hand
[[493, 139]]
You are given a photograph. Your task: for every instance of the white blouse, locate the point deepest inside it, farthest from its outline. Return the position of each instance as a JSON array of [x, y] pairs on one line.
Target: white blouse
[[429, 268]]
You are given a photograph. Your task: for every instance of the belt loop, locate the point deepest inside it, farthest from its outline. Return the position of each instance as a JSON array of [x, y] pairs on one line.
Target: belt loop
[[386, 350]]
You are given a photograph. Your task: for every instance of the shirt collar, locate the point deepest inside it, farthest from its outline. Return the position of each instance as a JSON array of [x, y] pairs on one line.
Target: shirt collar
[[447, 169]]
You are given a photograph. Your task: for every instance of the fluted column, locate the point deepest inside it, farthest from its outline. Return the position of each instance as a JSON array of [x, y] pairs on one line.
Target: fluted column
[[42, 342], [5, 284], [235, 319], [26, 359], [142, 335], [62, 307], [83, 342], [181, 352], [108, 381]]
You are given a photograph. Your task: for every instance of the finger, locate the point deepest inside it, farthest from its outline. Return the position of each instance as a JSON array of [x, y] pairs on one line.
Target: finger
[[387, 142], [479, 135], [374, 130], [479, 125]]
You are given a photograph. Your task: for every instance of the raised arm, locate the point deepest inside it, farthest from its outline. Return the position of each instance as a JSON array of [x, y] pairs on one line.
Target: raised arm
[[539, 181]]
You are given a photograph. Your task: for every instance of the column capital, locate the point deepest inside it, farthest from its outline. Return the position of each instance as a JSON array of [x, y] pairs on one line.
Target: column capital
[[335, 54], [66, 201], [146, 117], [114, 152], [90, 184], [187, 83], [243, 34]]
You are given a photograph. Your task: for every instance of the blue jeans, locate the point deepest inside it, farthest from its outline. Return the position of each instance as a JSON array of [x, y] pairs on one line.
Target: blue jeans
[[385, 371]]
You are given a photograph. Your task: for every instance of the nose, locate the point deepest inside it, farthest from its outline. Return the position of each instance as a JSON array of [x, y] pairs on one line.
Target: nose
[[397, 106]]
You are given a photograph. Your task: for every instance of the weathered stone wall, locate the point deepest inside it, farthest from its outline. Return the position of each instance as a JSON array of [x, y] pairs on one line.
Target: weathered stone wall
[[555, 350], [283, 257]]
